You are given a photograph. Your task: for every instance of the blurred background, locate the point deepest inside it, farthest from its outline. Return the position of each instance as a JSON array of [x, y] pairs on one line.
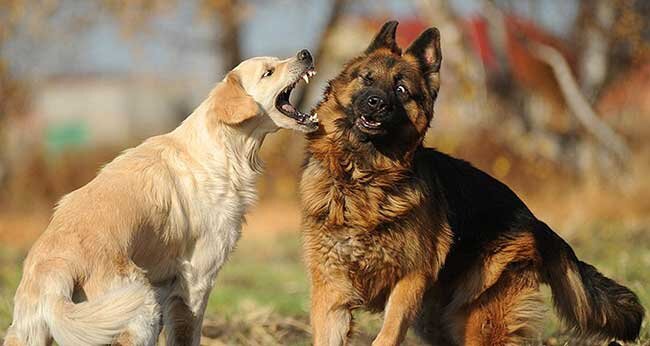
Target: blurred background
[[550, 96]]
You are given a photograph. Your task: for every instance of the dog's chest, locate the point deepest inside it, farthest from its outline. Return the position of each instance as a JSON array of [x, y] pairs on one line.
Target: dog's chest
[[371, 263], [368, 235], [216, 207], [223, 202], [360, 253], [361, 202]]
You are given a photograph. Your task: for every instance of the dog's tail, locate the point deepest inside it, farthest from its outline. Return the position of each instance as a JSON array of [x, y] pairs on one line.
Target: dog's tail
[[588, 302], [47, 304], [94, 322]]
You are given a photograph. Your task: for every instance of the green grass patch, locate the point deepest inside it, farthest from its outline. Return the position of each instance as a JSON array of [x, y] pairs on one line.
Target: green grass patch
[[10, 266], [264, 273], [262, 293]]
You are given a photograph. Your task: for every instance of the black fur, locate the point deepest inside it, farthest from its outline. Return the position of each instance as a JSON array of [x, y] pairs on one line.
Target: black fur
[[481, 209]]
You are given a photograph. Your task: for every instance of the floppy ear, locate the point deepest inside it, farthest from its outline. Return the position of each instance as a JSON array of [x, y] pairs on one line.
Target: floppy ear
[[426, 50], [385, 38], [230, 102]]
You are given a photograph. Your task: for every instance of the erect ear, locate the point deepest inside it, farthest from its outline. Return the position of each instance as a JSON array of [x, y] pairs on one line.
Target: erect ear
[[230, 102], [426, 50], [385, 38]]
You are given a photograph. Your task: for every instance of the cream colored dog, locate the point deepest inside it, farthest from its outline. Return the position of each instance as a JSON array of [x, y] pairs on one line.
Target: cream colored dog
[[148, 235]]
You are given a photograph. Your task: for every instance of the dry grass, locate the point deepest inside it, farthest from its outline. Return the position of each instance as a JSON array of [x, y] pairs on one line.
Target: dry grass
[[261, 296]]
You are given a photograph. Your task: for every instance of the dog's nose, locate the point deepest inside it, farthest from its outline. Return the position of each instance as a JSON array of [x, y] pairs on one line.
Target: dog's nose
[[376, 103], [304, 56]]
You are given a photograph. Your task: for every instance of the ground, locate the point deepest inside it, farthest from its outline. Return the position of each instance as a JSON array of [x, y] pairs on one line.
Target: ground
[[261, 296]]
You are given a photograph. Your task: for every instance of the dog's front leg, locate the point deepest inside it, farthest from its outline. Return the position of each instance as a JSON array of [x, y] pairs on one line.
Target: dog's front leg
[[183, 315], [402, 307], [186, 307], [330, 316]]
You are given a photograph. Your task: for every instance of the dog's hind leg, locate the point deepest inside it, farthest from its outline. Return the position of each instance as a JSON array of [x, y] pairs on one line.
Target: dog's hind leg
[[508, 313], [30, 327], [36, 333]]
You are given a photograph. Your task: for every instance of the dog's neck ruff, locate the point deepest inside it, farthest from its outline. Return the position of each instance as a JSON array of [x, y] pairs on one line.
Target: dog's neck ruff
[[227, 153], [339, 149], [240, 143]]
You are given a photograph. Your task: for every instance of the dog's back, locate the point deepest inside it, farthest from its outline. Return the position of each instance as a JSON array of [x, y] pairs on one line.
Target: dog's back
[[85, 252], [500, 254]]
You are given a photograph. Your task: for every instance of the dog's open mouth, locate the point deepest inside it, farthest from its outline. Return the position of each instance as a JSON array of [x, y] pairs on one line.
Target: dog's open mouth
[[285, 107], [369, 126]]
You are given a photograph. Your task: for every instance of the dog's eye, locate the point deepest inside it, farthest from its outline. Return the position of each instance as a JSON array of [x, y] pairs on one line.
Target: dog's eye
[[268, 73], [367, 79], [401, 90]]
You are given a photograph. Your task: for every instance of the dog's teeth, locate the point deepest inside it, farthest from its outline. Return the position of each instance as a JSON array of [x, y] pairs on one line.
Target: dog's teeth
[[305, 78], [311, 73]]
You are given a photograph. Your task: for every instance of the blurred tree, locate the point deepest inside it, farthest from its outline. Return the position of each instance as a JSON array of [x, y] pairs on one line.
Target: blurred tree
[[337, 9], [612, 36], [229, 16], [15, 15], [548, 87], [592, 38], [463, 65], [579, 105], [629, 37]]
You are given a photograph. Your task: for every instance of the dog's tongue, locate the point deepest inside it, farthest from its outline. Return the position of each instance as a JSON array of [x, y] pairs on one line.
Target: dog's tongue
[[288, 107]]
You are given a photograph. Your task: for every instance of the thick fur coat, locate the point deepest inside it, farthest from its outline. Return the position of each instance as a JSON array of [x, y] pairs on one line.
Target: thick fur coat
[[431, 241]]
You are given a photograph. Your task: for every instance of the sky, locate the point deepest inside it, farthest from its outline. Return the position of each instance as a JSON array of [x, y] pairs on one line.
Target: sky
[[180, 44]]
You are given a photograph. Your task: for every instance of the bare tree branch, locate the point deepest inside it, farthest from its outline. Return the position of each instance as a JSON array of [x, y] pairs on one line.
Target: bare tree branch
[[332, 21], [229, 39], [578, 103]]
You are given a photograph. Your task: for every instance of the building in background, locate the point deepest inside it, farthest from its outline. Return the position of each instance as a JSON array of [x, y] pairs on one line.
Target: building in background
[[94, 110]]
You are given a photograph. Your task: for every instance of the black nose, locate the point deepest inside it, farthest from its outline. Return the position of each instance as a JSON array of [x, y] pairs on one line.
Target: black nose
[[376, 103], [304, 56]]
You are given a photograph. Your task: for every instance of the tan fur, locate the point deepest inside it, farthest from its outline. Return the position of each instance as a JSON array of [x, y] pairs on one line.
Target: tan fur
[[331, 318], [485, 274], [401, 308], [148, 235], [581, 306], [236, 105], [511, 313]]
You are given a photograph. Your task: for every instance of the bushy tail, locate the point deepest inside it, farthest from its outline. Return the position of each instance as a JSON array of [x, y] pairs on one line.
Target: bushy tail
[[588, 302], [94, 322], [47, 304]]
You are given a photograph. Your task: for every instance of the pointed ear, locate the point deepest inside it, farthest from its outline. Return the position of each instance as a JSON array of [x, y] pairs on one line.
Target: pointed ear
[[230, 102], [385, 38], [426, 50]]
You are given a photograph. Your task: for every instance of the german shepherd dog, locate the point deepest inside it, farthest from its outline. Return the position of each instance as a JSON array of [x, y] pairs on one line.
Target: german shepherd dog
[[392, 226]]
